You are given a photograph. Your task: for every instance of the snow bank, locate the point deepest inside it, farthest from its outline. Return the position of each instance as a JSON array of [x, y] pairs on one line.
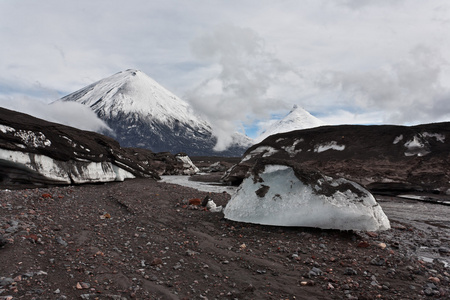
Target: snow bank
[[282, 199]]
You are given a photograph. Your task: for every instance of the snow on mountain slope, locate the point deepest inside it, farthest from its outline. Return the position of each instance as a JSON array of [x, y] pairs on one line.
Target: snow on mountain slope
[[298, 118], [133, 92], [144, 114]]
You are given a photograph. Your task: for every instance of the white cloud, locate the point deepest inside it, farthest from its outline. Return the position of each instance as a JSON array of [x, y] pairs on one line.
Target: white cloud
[[67, 113], [238, 90], [385, 58]]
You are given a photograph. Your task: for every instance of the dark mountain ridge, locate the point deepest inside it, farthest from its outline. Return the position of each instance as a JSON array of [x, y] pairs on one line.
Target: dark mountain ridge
[[379, 157]]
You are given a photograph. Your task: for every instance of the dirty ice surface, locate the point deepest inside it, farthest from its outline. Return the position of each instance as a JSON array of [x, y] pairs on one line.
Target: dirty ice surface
[[66, 172], [287, 201]]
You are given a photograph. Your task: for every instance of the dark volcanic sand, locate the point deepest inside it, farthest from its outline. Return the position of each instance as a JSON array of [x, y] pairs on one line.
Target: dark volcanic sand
[[138, 239]]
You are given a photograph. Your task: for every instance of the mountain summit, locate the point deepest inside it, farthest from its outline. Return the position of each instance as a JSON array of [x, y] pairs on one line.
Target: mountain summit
[[144, 114], [298, 118]]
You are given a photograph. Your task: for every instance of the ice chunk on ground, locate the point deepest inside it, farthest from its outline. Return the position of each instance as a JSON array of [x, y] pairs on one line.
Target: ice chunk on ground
[[188, 166], [278, 197]]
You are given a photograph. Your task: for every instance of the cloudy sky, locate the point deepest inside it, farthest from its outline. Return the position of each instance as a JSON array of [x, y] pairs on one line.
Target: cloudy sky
[[238, 62]]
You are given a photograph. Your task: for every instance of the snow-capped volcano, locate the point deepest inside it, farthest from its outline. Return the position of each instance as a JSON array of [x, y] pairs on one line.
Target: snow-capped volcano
[[144, 114], [297, 119]]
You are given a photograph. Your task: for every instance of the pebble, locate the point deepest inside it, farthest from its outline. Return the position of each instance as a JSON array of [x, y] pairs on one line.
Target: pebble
[[60, 241], [444, 250], [315, 272], [6, 281], [350, 271], [378, 261]]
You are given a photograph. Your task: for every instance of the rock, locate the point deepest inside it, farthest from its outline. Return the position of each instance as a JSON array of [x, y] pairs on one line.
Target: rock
[[3, 241], [350, 271], [444, 250], [60, 241], [378, 261], [315, 272], [283, 193], [6, 281], [363, 244], [156, 261]]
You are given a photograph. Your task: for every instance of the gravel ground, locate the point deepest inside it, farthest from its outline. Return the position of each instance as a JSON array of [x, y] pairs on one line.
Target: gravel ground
[[141, 239]]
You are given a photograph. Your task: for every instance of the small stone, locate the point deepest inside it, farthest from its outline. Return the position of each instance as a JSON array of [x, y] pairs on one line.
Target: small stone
[[363, 244], [382, 245], [6, 281], [250, 288], [428, 292], [190, 253], [315, 272], [378, 261], [57, 291], [372, 234], [156, 261], [350, 271], [60, 241], [444, 250], [434, 279]]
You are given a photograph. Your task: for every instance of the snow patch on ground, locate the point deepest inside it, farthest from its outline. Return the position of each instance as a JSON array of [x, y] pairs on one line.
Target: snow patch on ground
[[415, 147], [398, 139], [283, 200], [291, 149], [266, 150], [333, 145], [437, 136]]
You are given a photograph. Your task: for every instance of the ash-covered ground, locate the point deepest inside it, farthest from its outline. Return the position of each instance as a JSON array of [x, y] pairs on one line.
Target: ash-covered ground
[[141, 239]]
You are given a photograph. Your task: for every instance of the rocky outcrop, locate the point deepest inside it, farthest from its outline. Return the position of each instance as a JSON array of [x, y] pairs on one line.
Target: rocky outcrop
[[37, 152], [283, 193], [385, 159]]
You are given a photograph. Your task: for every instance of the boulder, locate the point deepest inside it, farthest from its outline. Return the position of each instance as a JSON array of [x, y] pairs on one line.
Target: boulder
[[283, 193]]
